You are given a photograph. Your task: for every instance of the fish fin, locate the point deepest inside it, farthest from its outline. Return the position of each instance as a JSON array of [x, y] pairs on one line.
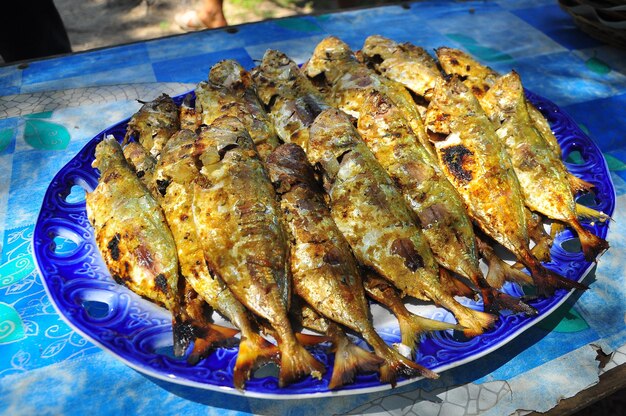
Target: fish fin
[[500, 272], [296, 363], [207, 338], [411, 326], [350, 359], [547, 281], [454, 286], [592, 245], [182, 330], [541, 250], [253, 353], [495, 301], [591, 214], [577, 184], [474, 322], [311, 340]]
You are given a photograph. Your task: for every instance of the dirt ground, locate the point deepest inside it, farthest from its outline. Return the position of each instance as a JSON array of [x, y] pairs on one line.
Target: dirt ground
[[96, 23]]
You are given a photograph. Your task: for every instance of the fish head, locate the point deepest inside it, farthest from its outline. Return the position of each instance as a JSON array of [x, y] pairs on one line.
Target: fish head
[[288, 166]]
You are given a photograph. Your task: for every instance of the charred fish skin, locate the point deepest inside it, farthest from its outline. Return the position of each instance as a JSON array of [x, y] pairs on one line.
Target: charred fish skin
[[374, 218], [230, 91], [132, 236], [243, 235], [542, 175], [177, 171], [292, 100], [408, 64], [350, 82], [154, 124], [477, 164], [325, 273]]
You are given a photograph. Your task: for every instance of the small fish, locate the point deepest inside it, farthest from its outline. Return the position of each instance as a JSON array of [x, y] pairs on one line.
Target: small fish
[[325, 273], [439, 208], [230, 91], [477, 164], [176, 173], [411, 325], [350, 82], [154, 124], [136, 244], [542, 175], [375, 220], [292, 99], [239, 222]]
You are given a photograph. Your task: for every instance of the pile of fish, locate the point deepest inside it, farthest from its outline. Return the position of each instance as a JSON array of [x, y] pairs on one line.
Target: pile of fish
[[284, 197]]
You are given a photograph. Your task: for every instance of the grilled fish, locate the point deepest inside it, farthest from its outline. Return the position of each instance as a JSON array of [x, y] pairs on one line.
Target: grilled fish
[[439, 208], [542, 175], [476, 163], [154, 124], [238, 220], [373, 216], [292, 99], [137, 246], [230, 91], [189, 118], [350, 82], [176, 173], [325, 273]]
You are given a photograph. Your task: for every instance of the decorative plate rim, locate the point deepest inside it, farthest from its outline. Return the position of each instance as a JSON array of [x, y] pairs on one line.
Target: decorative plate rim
[[42, 239]]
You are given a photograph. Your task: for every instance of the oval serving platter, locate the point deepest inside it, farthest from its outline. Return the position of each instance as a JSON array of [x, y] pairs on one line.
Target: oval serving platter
[[139, 333]]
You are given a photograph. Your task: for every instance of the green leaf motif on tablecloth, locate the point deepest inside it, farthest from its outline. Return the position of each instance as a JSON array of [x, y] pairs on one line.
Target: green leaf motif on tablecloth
[[598, 66], [5, 138], [45, 135], [43, 114], [614, 163], [15, 270], [11, 326], [571, 322], [483, 53]]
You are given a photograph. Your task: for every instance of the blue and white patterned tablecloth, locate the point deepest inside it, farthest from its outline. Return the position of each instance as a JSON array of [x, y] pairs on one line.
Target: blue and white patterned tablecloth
[[50, 108]]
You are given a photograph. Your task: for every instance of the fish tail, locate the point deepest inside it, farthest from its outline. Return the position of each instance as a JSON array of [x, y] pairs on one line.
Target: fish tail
[[500, 272], [311, 340], [591, 214], [412, 326], [206, 338], [395, 364], [577, 184], [350, 359], [254, 351], [474, 322], [453, 286], [296, 362], [495, 301], [591, 244], [547, 281], [541, 250]]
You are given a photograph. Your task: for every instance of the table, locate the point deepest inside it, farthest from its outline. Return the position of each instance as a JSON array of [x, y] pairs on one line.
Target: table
[[50, 108]]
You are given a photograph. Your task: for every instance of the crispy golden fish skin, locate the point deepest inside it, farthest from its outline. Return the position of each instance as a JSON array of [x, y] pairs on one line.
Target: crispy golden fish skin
[[405, 63], [292, 100], [154, 123], [137, 246], [350, 359], [230, 91], [176, 173], [542, 175], [325, 273], [477, 164], [441, 211], [239, 222], [375, 220], [350, 81], [411, 325], [143, 163], [189, 118]]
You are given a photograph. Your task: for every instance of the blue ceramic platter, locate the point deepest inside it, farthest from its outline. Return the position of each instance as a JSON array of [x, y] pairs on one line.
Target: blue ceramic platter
[[139, 333]]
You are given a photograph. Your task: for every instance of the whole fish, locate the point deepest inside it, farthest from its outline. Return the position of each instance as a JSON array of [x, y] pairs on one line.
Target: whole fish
[[230, 91], [405, 63], [135, 243], [350, 82], [375, 220], [439, 208], [411, 325], [480, 78], [239, 223], [154, 124], [176, 173], [477, 164], [542, 175], [325, 273], [292, 99], [350, 359]]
